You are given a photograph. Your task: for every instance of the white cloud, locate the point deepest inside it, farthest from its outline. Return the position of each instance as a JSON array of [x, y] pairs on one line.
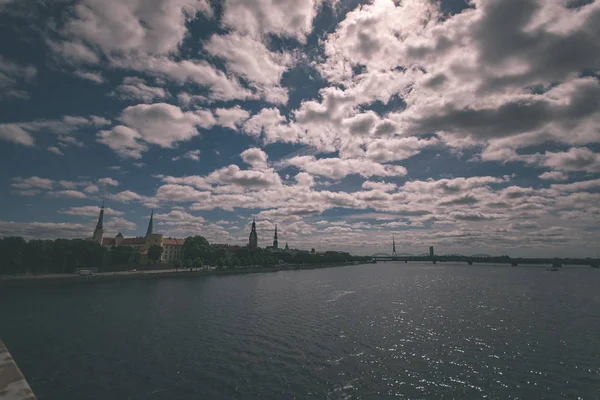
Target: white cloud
[[116, 26], [231, 118], [272, 127], [134, 88], [124, 141], [74, 51], [91, 188], [255, 157], [386, 150], [180, 193], [291, 18], [39, 230], [577, 186], [108, 182], [188, 100], [383, 186], [21, 132], [99, 121], [90, 211], [248, 57], [576, 159], [55, 150], [33, 182], [15, 134], [244, 178], [72, 194], [95, 77], [220, 85], [12, 75], [193, 155], [554, 176], [337, 168], [68, 184], [474, 78], [126, 196], [163, 124]]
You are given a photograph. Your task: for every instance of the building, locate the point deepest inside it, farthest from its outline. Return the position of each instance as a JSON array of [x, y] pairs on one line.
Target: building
[[172, 247], [150, 224], [275, 247], [431, 253], [253, 240], [99, 231]]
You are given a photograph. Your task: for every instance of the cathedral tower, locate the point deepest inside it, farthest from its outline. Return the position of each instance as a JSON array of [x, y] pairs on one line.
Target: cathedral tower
[[253, 241]]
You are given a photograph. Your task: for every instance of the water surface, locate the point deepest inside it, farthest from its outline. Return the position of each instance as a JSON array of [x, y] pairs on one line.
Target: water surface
[[363, 332]]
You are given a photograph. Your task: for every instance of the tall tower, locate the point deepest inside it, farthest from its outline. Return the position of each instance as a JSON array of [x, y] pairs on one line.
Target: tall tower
[[150, 224], [394, 254], [99, 231], [275, 242], [253, 241]]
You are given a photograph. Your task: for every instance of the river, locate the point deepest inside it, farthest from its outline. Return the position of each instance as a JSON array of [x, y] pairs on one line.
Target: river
[[390, 330]]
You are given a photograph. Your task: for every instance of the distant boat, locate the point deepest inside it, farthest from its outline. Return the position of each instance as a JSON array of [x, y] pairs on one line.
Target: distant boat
[[552, 268]]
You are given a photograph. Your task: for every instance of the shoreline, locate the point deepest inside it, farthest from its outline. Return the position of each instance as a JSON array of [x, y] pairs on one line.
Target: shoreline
[[11, 280]]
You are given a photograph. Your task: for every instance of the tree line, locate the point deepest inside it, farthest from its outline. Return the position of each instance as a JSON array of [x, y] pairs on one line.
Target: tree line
[[19, 256]]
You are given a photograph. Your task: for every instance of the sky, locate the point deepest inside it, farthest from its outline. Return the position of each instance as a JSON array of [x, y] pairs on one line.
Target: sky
[[471, 126]]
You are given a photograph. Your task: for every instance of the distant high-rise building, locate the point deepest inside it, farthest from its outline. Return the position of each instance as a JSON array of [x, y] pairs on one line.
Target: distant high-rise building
[[99, 231], [253, 240], [275, 242], [394, 254], [431, 253]]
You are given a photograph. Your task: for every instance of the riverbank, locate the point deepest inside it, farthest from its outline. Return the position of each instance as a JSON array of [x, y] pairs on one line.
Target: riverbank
[[153, 274]]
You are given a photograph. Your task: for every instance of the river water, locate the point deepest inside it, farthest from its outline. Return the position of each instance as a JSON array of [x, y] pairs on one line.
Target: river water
[[362, 332]]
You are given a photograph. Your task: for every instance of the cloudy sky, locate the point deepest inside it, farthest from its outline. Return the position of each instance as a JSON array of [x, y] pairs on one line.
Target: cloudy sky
[[472, 126]]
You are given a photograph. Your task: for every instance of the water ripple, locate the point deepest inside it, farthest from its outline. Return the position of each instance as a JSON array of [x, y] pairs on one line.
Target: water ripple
[[364, 332]]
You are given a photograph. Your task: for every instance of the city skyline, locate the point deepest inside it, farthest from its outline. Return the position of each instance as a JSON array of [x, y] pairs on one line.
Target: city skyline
[[346, 124]]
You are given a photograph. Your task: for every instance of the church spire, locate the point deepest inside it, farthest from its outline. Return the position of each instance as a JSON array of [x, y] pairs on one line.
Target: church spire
[[253, 239], [275, 241], [150, 224], [99, 231], [393, 246], [100, 223]]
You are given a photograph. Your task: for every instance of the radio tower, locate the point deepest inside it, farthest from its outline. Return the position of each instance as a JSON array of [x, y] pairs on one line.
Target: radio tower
[[394, 254]]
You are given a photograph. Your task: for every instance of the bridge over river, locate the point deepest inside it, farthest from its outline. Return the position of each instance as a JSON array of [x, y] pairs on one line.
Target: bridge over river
[[484, 258]]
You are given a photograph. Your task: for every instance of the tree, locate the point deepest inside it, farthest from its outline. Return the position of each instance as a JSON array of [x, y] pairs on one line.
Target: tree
[[177, 264], [312, 250], [135, 256], [187, 264], [155, 252], [198, 264], [195, 247], [11, 249]]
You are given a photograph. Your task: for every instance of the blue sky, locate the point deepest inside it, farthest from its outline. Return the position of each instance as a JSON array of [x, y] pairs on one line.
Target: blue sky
[[470, 126]]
